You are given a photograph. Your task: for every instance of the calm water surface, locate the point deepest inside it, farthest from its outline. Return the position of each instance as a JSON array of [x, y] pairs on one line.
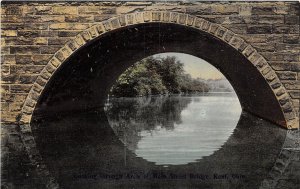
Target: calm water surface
[[159, 142], [174, 130]]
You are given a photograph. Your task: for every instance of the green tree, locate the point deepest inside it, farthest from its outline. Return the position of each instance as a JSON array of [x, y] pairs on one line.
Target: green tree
[[138, 81], [156, 75]]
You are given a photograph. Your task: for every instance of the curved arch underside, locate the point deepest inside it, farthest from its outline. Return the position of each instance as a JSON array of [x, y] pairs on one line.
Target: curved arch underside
[[84, 79]]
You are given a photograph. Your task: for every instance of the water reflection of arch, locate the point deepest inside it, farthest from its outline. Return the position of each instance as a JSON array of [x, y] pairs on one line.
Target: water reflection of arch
[[75, 152]]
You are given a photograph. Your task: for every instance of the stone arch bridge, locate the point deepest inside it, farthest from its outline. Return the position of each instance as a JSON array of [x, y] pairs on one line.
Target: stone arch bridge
[[48, 50], [255, 45]]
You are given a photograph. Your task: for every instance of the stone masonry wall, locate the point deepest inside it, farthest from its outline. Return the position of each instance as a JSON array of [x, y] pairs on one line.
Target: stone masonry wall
[[32, 32]]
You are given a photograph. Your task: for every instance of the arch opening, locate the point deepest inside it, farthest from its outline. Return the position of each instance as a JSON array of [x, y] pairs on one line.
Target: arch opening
[[172, 109], [85, 78]]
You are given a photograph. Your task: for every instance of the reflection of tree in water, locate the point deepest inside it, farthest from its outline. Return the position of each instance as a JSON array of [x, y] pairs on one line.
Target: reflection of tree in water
[[130, 116]]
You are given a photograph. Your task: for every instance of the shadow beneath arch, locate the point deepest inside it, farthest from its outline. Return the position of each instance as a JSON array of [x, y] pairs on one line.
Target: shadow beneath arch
[[84, 79], [82, 151]]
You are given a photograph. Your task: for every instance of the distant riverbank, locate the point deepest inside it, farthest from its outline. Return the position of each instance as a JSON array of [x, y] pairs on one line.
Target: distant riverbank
[[180, 94]]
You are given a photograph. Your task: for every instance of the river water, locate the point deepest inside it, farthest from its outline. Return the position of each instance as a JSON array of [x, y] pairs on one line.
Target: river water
[[159, 142], [174, 130]]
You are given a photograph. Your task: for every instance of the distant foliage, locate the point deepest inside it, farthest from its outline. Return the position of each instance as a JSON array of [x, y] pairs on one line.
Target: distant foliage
[[155, 76]]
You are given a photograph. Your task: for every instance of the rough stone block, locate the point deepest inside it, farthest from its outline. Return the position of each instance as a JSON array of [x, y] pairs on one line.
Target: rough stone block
[[295, 67], [213, 28], [26, 69], [285, 47], [25, 50], [270, 76], [5, 70], [291, 19], [79, 40], [275, 84], [287, 107], [33, 95], [182, 19], [41, 81], [101, 18], [32, 59], [147, 16], [65, 10], [100, 28], [174, 17], [198, 10], [68, 26], [107, 25], [269, 9], [122, 20], [4, 106], [8, 59], [237, 28], [5, 50], [291, 39], [139, 17], [190, 20], [26, 41], [73, 45], [27, 79], [166, 16], [264, 47], [248, 51], [236, 42], [8, 33], [130, 18], [280, 66], [93, 32], [36, 87], [23, 88], [12, 10], [88, 9], [45, 74], [295, 94], [79, 18], [225, 9], [292, 57], [266, 70], [254, 58], [292, 85], [86, 35], [255, 38], [285, 29], [66, 33], [205, 25], [264, 19], [286, 75], [4, 89], [198, 23], [31, 103], [27, 110], [115, 23], [58, 40], [280, 91], [259, 29], [50, 68], [49, 33], [156, 16], [283, 99]]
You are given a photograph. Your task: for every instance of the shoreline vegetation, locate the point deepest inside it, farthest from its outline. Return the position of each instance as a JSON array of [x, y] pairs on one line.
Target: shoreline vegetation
[[156, 76], [176, 95]]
